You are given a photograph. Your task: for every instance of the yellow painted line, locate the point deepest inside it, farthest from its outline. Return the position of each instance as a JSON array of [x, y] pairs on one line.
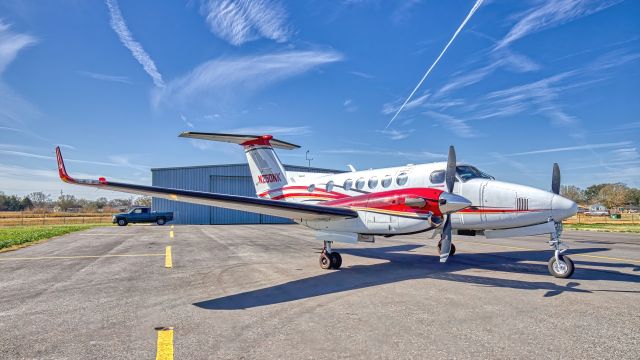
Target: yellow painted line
[[171, 227], [77, 257], [171, 234], [581, 255], [165, 343], [167, 258]]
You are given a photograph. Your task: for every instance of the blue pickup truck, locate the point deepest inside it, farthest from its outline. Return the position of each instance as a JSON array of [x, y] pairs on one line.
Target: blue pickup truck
[[141, 214]]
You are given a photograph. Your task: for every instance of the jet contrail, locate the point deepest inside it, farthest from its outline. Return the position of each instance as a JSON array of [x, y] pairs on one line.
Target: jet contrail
[[473, 10]]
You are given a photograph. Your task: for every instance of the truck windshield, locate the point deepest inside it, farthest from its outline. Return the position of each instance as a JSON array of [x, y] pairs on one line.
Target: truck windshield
[[468, 172]]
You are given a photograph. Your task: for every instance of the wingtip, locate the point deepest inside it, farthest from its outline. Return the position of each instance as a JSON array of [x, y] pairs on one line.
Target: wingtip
[[62, 171]]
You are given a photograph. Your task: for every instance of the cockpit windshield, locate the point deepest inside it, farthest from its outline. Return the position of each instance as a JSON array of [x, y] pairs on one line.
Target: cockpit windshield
[[467, 172]]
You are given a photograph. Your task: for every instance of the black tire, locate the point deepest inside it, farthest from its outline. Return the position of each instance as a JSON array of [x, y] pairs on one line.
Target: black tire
[[336, 260], [452, 251], [122, 222], [325, 261], [160, 221], [562, 270]]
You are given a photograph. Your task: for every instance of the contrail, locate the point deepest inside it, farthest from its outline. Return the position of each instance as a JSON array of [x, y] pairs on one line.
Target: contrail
[[473, 10]]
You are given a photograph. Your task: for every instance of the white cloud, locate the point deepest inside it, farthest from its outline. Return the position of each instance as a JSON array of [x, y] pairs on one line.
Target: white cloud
[[220, 77], [456, 125], [240, 21], [573, 148], [350, 106], [361, 74], [105, 77], [11, 43], [404, 154], [396, 134], [119, 161], [550, 14], [120, 27]]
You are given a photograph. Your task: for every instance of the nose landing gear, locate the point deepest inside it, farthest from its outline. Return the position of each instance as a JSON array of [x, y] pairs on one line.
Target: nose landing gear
[[560, 266], [330, 259]]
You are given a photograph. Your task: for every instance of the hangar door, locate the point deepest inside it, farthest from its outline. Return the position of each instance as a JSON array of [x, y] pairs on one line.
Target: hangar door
[[237, 185]]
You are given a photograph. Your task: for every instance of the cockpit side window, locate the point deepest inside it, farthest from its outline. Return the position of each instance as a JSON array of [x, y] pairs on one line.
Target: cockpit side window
[[437, 177], [468, 172]]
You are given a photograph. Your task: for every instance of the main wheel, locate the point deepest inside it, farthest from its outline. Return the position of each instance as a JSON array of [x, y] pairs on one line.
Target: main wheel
[[122, 222], [160, 221], [561, 269], [325, 261], [452, 251], [336, 260]]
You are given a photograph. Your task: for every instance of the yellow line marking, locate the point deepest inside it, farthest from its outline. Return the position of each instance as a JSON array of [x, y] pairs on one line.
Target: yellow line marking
[[581, 255], [77, 257], [171, 227], [167, 258], [171, 234], [165, 343]]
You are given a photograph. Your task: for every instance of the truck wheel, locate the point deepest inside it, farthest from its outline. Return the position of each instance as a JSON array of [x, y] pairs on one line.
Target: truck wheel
[[160, 221], [122, 222]]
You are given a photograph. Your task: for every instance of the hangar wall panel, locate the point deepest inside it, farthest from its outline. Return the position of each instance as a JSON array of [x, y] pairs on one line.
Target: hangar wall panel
[[232, 179]]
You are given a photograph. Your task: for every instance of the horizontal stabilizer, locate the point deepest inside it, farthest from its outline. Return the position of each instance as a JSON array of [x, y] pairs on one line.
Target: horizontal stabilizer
[[240, 139]]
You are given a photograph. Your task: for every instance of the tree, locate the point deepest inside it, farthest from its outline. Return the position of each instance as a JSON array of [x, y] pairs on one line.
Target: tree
[[101, 202], [39, 199], [143, 201], [573, 193], [614, 195], [633, 196], [26, 203], [66, 202], [592, 193]]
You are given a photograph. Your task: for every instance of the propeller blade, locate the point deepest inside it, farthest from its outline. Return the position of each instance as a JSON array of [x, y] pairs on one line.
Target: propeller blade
[[450, 175], [555, 179], [445, 240]]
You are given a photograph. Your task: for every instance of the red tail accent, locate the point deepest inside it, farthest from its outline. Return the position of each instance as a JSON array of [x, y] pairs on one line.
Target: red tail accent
[[262, 140], [61, 169]]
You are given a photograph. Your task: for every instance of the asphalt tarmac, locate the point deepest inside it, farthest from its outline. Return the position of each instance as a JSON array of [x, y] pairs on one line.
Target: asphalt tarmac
[[258, 292]]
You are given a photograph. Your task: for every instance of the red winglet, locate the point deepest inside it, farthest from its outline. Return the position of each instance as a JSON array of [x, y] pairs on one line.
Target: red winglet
[[61, 169]]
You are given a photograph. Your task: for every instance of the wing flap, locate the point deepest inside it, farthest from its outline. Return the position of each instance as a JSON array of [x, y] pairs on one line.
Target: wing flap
[[295, 211]]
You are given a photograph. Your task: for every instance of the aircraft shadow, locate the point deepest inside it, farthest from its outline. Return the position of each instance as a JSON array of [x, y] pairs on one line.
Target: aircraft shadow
[[401, 266]]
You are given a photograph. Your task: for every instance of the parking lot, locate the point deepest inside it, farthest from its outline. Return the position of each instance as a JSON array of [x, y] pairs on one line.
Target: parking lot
[[258, 292]]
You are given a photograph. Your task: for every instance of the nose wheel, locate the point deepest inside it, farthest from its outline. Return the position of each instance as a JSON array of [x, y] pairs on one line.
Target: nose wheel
[[560, 266], [330, 259]]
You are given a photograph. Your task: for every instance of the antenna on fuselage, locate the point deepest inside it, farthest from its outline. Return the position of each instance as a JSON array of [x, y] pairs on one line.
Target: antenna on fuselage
[[351, 168]]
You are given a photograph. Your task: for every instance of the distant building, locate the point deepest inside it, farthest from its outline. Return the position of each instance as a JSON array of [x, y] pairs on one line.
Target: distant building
[[234, 179]]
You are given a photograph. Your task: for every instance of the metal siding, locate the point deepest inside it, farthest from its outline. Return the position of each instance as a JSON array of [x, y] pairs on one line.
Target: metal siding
[[202, 178]]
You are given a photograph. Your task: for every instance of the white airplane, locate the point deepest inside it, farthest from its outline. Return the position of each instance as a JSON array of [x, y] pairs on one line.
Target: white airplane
[[358, 205]]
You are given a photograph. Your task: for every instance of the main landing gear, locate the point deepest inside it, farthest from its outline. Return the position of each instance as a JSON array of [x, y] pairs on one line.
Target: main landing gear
[[330, 259], [560, 266], [451, 252]]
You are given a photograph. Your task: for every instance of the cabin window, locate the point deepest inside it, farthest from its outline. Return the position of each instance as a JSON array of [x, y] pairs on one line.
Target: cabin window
[[373, 182], [347, 184], [311, 188], [386, 181], [329, 186], [437, 177], [401, 180], [360, 183], [137, 211]]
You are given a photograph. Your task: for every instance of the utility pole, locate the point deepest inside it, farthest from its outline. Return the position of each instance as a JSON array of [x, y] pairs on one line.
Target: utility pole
[[306, 156]]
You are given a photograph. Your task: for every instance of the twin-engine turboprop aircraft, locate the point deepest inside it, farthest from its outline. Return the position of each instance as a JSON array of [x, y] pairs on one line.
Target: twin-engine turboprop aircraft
[[358, 205]]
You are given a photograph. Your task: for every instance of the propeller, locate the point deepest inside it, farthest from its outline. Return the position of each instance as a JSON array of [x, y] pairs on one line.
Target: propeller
[[445, 234], [555, 179]]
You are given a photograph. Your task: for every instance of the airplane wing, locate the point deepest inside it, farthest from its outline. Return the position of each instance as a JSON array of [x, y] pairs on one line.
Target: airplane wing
[[295, 211]]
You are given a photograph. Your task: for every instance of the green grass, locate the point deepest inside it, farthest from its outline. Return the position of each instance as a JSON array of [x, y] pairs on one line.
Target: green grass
[[19, 236], [630, 228]]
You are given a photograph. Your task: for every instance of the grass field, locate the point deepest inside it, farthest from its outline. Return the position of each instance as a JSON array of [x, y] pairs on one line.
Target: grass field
[[630, 228], [20, 236], [27, 218]]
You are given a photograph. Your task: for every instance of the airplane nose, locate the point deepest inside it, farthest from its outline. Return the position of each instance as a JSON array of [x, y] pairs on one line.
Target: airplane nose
[[449, 203], [562, 208]]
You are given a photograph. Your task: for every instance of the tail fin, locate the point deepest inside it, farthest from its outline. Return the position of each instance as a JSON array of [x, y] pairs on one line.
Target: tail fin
[[266, 168]]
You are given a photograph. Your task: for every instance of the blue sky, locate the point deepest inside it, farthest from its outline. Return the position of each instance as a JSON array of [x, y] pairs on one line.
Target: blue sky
[[522, 85]]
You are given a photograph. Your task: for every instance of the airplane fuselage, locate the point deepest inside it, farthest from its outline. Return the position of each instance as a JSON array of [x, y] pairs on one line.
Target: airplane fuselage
[[495, 204]]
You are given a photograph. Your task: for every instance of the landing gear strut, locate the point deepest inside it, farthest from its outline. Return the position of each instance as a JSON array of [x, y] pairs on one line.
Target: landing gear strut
[[330, 259], [560, 266], [452, 251]]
